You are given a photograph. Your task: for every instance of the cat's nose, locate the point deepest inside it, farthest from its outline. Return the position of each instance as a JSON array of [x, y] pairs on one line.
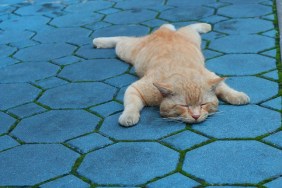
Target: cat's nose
[[195, 116]]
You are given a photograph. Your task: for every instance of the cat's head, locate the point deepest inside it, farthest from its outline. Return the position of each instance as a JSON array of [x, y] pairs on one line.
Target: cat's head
[[188, 100]]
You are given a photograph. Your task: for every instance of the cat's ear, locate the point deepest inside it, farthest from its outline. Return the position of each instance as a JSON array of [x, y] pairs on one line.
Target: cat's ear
[[165, 89], [213, 83]]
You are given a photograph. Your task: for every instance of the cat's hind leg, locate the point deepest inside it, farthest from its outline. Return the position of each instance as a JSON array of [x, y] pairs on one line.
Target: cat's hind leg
[[227, 94], [106, 42], [201, 27], [192, 32], [133, 104]]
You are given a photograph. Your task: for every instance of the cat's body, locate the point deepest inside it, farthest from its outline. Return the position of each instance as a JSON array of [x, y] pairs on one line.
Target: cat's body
[[173, 75]]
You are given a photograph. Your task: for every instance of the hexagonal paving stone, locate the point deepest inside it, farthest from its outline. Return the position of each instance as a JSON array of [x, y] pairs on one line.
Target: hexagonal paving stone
[[9, 36], [135, 163], [272, 75], [76, 19], [131, 16], [94, 70], [5, 50], [214, 19], [242, 2], [120, 94], [65, 182], [275, 139], [27, 165], [66, 124], [109, 11], [38, 52], [240, 122], [7, 142], [12, 94], [7, 61], [150, 126], [88, 52], [274, 183], [186, 14], [190, 3], [271, 33], [242, 44], [77, 36], [26, 72], [137, 5], [107, 109], [252, 86], [21, 23], [67, 60], [122, 80], [184, 140], [77, 95], [243, 11], [48, 9], [89, 6], [89, 142], [241, 64], [97, 25], [271, 53], [125, 30], [27, 110], [211, 54], [51, 82], [233, 162], [242, 26], [6, 122], [274, 103], [173, 180]]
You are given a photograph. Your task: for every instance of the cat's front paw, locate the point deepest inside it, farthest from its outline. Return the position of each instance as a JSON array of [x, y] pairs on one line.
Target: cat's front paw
[[128, 119], [239, 98]]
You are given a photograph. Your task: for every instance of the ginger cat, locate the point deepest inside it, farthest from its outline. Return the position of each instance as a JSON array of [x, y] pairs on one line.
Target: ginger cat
[[173, 75]]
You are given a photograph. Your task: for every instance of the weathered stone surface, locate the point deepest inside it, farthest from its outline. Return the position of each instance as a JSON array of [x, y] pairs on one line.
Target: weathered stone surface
[[247, 121], [77, 95], [26, 72], [243, 11], [27, 110], [172, 181], [6, 122], [131, 17], [7, 142], [186, 14], [274, 103], [66, 181], [89, 142], [27, 165], [241, 64], [184, 140], [242, 26], [38, 52], [64, 125], [11, 95], [251, 161], [135, 163], [94, 70], [242, 44]]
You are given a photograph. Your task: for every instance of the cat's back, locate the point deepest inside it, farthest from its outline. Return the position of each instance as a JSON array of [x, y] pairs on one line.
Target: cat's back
[[165, 49]]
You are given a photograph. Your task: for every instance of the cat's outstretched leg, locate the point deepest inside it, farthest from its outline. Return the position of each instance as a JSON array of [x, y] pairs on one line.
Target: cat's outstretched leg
[[192, 32], [200, 27], [106, 42], [227, 94], [133, 104]]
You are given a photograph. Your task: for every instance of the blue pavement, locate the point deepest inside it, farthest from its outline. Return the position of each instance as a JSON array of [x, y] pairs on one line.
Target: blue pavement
[[60, 98]]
